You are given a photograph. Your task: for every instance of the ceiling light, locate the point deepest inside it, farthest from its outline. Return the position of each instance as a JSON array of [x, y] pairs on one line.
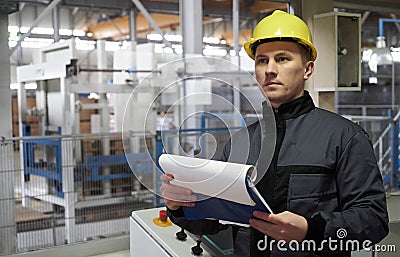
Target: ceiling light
[[380, 56], [31, 85], [154, 37]]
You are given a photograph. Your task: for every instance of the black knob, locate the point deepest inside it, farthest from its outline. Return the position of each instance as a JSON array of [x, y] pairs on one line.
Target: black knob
[[181, 235], [197, 250]]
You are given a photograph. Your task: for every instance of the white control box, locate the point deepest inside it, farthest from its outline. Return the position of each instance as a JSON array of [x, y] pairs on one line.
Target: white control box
[[149, 239]]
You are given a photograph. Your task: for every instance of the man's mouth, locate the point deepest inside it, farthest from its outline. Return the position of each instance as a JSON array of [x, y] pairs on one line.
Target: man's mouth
[[271, 83]]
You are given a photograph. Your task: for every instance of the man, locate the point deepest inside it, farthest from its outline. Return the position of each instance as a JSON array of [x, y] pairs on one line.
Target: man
[[323, 183]]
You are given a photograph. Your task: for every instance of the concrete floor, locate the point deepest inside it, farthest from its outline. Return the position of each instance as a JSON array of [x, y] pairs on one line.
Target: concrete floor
[[114, 254]]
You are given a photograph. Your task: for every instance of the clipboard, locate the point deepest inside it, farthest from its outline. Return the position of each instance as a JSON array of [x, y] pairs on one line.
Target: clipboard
[[226, 189]]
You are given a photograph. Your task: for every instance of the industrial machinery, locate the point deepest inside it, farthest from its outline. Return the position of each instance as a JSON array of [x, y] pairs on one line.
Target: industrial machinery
[[83, 178]]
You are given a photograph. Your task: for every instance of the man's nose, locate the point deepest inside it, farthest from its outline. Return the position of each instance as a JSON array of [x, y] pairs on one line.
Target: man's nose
[[271, 68]]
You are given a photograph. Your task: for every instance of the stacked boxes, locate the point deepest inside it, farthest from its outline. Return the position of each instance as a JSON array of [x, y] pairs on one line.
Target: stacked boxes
[[84, 115], [92, 147], [33, 121]]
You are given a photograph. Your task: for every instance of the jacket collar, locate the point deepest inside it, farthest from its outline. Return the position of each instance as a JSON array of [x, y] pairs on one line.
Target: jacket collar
[[295, 108]]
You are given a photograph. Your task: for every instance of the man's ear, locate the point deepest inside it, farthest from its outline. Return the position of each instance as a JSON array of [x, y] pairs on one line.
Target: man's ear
[[309, 69]]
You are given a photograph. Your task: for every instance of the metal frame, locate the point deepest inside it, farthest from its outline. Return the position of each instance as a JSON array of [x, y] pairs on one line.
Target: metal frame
[[55, 63]]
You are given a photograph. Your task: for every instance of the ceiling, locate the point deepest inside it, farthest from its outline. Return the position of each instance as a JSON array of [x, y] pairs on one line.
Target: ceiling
[[213, 12], [217, 15]]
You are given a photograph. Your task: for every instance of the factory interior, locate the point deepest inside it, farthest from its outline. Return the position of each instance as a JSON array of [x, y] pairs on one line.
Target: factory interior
[[92, 92]]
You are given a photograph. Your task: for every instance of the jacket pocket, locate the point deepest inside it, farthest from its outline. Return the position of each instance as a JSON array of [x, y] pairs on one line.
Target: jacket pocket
[[310, 193]]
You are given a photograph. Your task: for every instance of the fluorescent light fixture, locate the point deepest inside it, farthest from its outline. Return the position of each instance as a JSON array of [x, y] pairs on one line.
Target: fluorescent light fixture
[[48, 31], [84, 46], [154, 37], [178, 38], [34, 44], [174, 38], [78, 33], [211, 40], [31, 85], [13, 29], [65, 32], [214, 51], [43, 31], [44, 40], [158, 37], [24, 29], [373, 80], [14, 86], [38, 30], [89, 42]]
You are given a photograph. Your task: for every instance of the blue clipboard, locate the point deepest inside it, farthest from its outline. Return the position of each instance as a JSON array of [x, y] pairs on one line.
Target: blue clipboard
[[224, 210]]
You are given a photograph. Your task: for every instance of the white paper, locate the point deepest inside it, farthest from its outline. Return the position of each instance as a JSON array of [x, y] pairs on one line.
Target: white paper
[[223, 180]]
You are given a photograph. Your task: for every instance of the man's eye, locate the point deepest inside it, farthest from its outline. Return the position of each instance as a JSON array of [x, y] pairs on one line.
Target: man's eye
[[282, 59], [262, 60]]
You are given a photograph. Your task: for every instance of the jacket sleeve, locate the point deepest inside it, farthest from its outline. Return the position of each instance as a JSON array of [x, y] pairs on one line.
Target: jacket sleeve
[[361, 198]]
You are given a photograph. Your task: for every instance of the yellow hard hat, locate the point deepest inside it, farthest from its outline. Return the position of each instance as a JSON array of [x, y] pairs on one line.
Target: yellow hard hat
[[281, 26]]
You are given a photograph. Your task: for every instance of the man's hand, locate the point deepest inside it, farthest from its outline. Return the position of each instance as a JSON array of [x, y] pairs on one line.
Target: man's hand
[[175, 196], [285, 226]]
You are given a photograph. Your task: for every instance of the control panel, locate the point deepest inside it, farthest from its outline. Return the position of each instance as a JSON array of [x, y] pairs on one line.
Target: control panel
[[153, 234]]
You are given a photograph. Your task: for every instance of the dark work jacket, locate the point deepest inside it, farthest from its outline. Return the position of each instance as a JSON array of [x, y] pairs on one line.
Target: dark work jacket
[[323, 168]]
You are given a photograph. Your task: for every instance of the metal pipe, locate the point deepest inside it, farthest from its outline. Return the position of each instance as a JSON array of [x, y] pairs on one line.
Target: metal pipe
[[235, 24], [39, 19], [393, 86], [132, 25], [146, 14], [364, 17], [56, 24], [382, 20]]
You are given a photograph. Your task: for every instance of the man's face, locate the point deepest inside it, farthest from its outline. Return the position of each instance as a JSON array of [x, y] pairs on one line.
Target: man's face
[[281, 71]]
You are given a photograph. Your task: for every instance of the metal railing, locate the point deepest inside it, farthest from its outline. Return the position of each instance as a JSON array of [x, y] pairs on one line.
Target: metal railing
[[383, 131], [387, 151], [68, 189]]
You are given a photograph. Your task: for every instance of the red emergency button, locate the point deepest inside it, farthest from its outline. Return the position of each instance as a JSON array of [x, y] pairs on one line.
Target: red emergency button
[[162, 219], [163, 216]]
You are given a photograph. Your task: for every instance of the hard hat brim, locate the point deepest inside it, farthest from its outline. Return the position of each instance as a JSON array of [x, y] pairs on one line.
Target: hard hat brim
[[250, 45]]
